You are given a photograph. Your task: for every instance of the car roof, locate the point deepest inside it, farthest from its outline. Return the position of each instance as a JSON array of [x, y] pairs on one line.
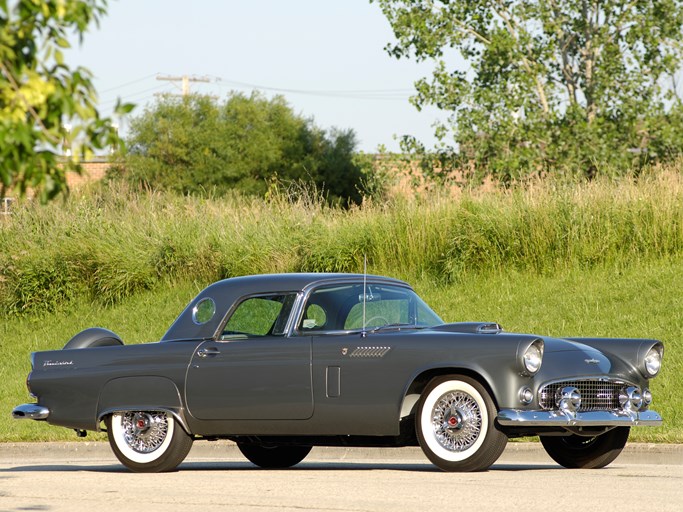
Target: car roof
[[263, 283], [225, 292]]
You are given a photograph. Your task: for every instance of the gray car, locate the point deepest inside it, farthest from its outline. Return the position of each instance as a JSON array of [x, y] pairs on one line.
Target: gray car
[[281, 363]]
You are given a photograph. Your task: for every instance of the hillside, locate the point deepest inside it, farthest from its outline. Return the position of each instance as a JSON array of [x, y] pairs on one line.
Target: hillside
[[600, 259]]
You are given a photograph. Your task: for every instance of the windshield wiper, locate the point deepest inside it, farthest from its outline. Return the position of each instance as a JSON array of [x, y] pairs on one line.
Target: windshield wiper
[[396, 326]]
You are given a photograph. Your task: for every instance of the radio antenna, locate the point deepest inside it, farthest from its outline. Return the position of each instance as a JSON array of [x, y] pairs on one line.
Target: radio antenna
[[365, 289]]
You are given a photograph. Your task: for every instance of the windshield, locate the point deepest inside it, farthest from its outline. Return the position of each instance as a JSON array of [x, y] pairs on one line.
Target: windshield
[[355, 306]]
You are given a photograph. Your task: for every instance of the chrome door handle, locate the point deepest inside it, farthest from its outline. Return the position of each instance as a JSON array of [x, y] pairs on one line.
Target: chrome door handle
[[206, 352]]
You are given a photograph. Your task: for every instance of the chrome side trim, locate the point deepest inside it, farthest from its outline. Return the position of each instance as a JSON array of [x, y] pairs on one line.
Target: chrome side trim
[[30, 412], [555, 418]]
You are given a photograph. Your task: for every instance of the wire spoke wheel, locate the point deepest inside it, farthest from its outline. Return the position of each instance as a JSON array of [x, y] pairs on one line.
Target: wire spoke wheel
[[147, 441], [144, 432], [457, 421], [455, 425]]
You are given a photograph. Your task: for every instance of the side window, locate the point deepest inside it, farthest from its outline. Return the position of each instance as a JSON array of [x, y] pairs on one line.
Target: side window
[[260, 316], [425, 316]]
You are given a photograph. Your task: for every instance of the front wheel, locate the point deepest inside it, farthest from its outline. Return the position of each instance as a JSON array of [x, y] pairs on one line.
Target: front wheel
[[274, 457], [579, 452], [455, 425], [147, 441]]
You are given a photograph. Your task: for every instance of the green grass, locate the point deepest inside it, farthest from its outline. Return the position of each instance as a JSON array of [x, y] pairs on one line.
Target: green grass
[[640, 301], [140, 319], [595, 259], [108, 245]]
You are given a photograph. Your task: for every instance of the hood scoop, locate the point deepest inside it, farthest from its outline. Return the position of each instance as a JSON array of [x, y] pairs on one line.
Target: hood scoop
[[470, 327]]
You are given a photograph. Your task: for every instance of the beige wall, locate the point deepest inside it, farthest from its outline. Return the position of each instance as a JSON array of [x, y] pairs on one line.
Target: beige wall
[[93, 170]]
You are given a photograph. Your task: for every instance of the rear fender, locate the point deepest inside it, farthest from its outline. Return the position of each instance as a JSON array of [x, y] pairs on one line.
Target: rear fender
[[141, 394]]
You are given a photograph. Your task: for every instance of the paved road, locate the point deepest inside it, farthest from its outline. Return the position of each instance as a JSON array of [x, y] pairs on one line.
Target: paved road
[[77, 477]]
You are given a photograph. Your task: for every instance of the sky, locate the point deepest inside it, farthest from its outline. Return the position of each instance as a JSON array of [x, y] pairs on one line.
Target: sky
[[326, 57]]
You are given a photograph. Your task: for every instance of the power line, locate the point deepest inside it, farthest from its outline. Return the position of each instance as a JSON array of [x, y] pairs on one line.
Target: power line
[[126, 84], [185, 79], [392, 94], [133, 96]]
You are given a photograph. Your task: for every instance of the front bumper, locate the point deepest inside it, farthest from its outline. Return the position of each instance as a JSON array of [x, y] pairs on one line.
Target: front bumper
[[30, 412], [520, 418]]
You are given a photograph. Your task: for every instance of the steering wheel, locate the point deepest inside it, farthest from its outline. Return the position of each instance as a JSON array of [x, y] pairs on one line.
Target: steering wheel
[[377, 317]]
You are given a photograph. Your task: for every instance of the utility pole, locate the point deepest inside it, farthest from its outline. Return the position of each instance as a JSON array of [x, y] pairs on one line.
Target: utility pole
[[185, 79]]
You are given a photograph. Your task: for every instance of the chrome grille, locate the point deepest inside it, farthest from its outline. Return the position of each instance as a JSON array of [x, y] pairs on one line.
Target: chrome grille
[[596, 395]]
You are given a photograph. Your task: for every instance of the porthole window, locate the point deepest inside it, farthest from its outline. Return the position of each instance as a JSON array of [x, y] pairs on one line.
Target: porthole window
[[203, 311]]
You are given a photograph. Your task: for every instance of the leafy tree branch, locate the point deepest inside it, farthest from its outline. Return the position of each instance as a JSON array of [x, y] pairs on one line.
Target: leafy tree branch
[[40, 94], [534, 85]]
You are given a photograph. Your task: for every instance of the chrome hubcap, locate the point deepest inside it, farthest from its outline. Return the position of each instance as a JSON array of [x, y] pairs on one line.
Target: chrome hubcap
[[456, 419], [144, 432]]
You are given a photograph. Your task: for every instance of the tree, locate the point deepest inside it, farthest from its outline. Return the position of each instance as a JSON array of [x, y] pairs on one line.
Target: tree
[[546, 84], [197, 144], [45, 105]]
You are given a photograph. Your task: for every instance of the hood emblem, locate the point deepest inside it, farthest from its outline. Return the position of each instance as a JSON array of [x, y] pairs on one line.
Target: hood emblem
[[592, 361]]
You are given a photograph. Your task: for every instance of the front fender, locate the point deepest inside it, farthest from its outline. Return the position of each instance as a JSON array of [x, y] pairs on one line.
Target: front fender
[[494, 360]]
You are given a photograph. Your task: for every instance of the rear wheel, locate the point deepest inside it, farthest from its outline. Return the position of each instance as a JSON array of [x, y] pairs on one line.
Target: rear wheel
[[147, 441], [274, 457], [586, 452], [455, 425]]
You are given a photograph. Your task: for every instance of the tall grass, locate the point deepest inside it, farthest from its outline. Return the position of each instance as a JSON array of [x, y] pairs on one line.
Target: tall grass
[[595, 259], [107, 245]]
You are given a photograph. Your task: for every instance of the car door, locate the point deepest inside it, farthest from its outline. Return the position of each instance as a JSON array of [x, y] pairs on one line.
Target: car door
[[359, 375], [358, 384], [253, 371]]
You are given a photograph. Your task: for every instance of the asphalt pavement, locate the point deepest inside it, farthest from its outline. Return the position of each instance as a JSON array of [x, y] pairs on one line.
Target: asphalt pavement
[[85, 476], [634, 453]]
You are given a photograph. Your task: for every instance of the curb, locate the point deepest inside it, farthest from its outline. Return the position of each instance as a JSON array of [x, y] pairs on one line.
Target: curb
[[515, 453]]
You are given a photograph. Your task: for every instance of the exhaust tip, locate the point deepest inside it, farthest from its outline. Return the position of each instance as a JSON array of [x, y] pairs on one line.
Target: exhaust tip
[[30, 412]]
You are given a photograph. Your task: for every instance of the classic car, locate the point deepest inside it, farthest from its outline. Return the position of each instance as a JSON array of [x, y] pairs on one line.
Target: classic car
[[281, 363]]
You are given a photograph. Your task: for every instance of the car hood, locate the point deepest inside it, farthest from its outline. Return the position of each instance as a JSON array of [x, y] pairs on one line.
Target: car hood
[[562, 345], [562, 356]]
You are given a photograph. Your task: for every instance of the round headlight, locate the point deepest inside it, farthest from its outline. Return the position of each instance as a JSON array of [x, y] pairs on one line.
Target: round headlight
[[533, 357], [653, 361]]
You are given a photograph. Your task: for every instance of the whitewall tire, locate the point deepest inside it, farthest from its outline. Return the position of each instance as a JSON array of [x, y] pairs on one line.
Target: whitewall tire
[[147, 441], [455, 425]]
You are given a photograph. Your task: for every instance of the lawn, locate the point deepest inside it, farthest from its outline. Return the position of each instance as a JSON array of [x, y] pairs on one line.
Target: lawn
[[593, 259], [643, 300]]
